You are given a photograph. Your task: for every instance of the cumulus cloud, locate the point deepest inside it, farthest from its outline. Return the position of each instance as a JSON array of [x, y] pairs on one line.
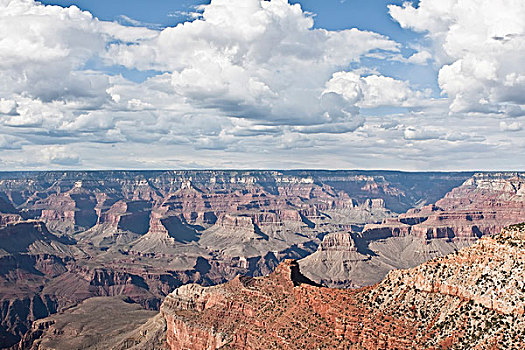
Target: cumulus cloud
[[41, 48], [420, 134], [255, 59], [246, 59], [7, 106], [248, 83], [479, 46], [425, 132], [421, 57], [375, 90], [44, 51]]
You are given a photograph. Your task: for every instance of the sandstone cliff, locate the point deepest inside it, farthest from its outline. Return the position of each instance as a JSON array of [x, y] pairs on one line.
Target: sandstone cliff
[[483, 204], [473, 299]]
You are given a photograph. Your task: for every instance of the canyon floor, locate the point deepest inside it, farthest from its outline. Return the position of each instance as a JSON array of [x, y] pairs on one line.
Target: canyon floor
[[75, 241]]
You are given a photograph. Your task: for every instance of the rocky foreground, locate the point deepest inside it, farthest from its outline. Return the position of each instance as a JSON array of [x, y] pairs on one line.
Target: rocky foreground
[[473, 299]]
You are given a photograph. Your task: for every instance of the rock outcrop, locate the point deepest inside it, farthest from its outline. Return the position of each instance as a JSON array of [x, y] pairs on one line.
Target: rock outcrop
[[482, 205], [98, 323], [29, 256], [473, 299]]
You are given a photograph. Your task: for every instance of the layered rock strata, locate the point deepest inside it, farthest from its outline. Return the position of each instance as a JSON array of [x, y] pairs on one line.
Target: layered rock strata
[[472, 299], [141, 234], [482, 205]]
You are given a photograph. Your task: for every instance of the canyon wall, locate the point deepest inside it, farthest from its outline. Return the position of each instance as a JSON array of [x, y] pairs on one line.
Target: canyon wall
[[482, 205], [472, 299], [69, 236]]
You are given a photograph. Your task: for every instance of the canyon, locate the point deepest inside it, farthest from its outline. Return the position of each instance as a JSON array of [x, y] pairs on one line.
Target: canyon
[[130, 238], [474, 298], [482, 205], [471, 299]]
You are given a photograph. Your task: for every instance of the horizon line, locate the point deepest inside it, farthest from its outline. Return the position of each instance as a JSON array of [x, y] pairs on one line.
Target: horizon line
[[263, 170]]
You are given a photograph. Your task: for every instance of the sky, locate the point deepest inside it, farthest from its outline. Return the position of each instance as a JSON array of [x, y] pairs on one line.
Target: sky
[[252, 84]]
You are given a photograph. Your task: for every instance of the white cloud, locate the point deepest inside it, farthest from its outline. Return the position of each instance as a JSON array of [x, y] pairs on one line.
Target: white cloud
[[42, 46], [9, 142], [44, 50], [512, 126], [421, 57], [375, 90], [247, 59], [60, 155], [7, 106], [254, 59], [421, 134], [332, 128], [479, 45], [88, 122], [250, 83]]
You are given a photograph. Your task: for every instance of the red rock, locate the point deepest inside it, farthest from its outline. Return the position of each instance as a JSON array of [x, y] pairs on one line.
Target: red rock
[[437, 305], [143, 233], [483, 205]]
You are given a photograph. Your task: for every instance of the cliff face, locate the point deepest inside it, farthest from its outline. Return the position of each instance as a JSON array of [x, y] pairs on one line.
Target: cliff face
[[473, 299], [283, 310], [29, 256], [76, 201], [68, 236], [482, 205], [98, 323], [340, 262]]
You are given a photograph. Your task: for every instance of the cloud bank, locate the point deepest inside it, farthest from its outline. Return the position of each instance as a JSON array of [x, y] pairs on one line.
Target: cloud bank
[[251, 83]]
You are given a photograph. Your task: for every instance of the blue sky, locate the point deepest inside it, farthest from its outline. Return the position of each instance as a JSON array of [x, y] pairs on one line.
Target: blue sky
[[328, 14], [161, 12], [354, 84]]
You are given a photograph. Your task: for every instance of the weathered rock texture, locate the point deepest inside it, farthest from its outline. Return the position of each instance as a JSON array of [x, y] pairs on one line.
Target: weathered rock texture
[[69, 236], [473, 299], [482, 205]]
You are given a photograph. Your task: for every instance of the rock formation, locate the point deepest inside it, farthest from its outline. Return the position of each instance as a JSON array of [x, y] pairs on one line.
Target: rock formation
[[482, 205], [69, 236], [473, 299], [98, 323]]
